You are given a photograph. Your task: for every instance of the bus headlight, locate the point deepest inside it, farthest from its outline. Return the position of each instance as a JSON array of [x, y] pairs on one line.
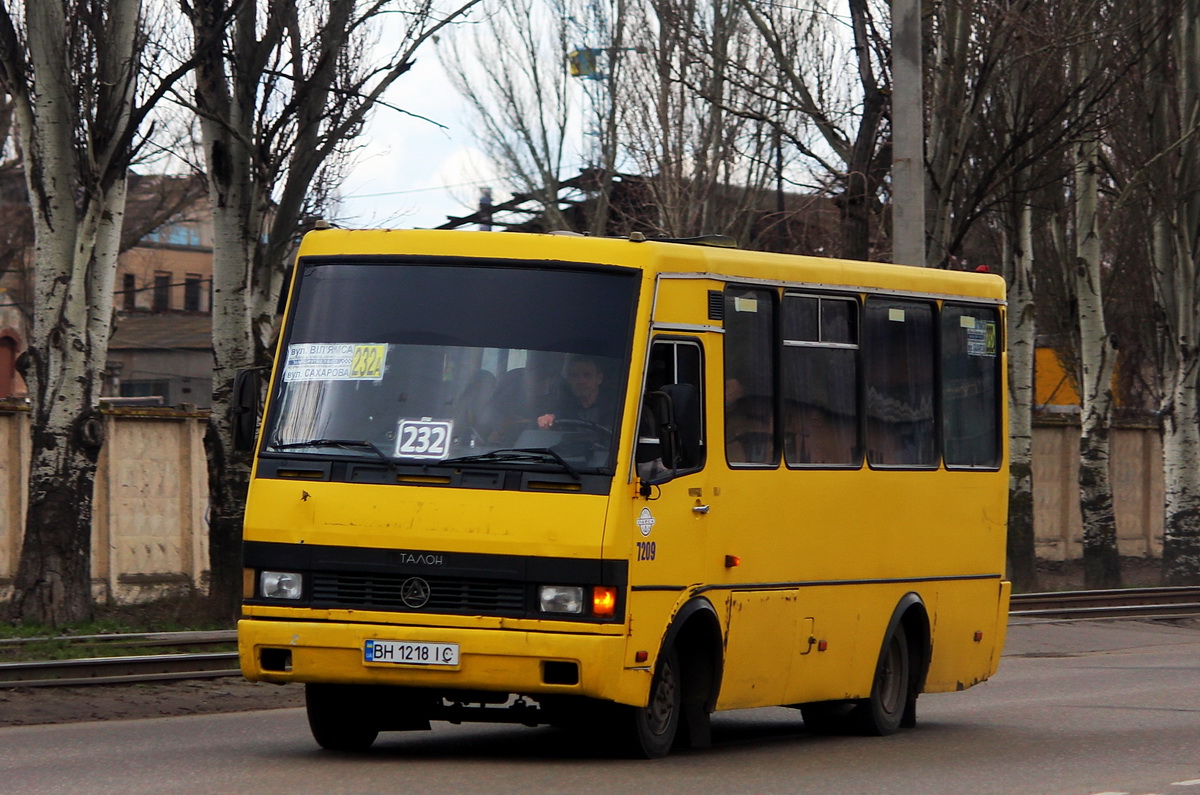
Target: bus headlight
[[560, 599], [280, 584]]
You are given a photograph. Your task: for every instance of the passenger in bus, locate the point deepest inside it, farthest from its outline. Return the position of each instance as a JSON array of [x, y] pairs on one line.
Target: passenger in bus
[[816, 435], [749, 425], [521, 396], [587, 398]]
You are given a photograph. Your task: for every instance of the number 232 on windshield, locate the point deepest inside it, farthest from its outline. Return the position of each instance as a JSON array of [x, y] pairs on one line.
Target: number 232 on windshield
[[423, 439]]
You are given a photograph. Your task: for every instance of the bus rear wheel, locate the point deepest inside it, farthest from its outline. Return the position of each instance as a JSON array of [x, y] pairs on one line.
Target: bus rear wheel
[[649, 732], [338, 717], [883, 712]]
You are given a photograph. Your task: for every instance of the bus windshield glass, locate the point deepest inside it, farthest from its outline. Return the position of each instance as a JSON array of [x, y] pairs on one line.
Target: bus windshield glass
[[434, 364]]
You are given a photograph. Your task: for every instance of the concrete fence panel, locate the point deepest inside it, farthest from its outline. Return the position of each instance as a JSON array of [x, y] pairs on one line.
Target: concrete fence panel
[[149, 528], [1135, 469]]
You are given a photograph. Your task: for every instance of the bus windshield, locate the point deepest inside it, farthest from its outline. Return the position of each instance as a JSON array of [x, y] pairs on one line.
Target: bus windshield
[[444, 363]]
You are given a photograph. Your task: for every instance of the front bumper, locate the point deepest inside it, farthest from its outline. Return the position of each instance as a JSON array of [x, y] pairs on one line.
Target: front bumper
[[494, 660]]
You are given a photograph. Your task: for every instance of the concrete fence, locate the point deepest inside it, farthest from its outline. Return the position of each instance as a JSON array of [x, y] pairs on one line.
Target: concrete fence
[[149, 534], [1135, 467]]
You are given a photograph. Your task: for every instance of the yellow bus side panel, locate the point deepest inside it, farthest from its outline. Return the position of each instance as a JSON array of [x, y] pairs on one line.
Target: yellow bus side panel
[[848, 546], [761, 648], [959, 660], [685, 302]]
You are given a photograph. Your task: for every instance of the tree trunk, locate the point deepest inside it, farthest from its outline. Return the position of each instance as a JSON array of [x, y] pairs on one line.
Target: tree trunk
[[54, 576], [1177, 264], [78, 206], [861, 183], [1022, 329], [1181, 463], [228, 481], [233, 349], [1101, 559], [62, 368]]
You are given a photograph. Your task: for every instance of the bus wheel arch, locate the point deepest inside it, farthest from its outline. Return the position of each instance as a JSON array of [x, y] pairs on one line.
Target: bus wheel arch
[[914, 617], [899, 672], [695, 636]]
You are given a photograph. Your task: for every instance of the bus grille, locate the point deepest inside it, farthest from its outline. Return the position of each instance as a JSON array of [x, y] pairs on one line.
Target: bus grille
[[446, 594]]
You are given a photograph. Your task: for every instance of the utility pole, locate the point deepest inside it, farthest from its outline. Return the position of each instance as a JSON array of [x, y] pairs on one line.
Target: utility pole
[[908, 135]]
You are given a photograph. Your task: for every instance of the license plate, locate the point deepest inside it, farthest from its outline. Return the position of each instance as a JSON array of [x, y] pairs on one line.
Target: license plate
[[403, 652]]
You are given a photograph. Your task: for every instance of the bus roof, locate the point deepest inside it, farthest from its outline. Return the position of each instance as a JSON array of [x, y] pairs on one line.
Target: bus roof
[[653, 257]]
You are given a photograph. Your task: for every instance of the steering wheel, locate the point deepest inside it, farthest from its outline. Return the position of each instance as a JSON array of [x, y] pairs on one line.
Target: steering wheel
[[600, 436], [569, 424]]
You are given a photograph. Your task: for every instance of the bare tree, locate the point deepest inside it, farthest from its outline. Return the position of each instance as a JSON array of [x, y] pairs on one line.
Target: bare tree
[[513, 71], [651, 95], [1167, 173], [540, 76], [1081, 337], [1003, 113], [1101, 561], [282, 90], [836, 122], [706, 142], [1017, 264], [72, 69]]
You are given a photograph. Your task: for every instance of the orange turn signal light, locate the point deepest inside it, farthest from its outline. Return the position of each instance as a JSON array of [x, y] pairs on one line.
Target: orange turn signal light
[[732, 560], [604, 601]]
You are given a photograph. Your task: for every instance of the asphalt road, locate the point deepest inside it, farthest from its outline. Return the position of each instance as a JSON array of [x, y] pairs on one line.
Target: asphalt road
[[1106, 707]]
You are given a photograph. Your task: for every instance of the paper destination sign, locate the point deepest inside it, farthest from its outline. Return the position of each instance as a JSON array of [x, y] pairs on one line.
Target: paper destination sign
[[335, 362]]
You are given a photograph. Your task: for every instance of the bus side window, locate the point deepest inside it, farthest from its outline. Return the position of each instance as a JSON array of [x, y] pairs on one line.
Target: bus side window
[[671, 362], [820, 380], [898, 346], [750, 422], [970, 370]]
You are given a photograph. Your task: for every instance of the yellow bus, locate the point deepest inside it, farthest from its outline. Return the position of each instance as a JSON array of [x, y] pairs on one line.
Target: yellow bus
[[624, 483]]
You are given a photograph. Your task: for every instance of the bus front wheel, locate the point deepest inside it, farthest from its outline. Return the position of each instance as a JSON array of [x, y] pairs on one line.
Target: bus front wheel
[[339, 720], [649, 732], [883, 712]]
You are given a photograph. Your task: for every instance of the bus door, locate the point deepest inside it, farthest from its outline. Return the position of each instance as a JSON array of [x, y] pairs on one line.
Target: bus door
[[672, 516]]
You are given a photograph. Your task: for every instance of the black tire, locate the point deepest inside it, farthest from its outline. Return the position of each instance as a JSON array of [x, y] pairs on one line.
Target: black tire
[[338, 718], [649, 732], [883, 712]]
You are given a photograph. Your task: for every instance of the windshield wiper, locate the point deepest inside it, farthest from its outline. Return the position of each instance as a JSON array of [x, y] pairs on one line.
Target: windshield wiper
[[517, 454], [350, 443]]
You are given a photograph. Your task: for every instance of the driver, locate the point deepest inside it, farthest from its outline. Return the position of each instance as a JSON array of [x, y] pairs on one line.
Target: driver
[[586, 401]]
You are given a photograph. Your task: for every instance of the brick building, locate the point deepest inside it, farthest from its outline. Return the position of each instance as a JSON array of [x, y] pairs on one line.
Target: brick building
[[161, 349]]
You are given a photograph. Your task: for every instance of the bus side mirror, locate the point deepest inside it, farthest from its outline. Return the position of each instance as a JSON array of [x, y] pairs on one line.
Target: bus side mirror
[[674, 413], [664, 444], [243, 408], [688, 425]]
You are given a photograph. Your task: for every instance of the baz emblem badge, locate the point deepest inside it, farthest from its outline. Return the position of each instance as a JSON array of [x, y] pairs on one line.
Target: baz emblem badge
[[414, 592]]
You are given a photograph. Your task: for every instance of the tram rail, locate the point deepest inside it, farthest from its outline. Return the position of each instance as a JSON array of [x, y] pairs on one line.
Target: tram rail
[[1147, 603], [124, 669], [1176, 602]]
